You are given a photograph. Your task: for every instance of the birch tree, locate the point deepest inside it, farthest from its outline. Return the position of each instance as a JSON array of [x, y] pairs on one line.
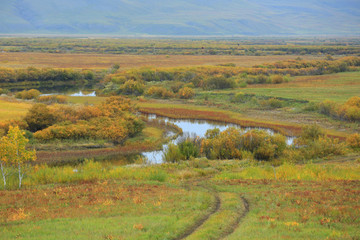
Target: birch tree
[[4, 158], [17, 154]]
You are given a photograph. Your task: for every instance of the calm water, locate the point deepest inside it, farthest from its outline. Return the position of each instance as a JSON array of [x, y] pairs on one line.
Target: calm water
[[195, 128]]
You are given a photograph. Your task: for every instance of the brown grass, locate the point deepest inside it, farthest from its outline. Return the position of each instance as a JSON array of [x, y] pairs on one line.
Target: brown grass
[[104, 61], [76, 200]]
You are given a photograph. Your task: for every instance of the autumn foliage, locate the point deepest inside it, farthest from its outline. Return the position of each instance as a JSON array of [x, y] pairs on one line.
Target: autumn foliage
[[113, 120], [349, 111], [232, 143]]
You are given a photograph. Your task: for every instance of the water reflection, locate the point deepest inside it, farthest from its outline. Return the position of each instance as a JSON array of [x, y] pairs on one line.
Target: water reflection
[[81, 94]]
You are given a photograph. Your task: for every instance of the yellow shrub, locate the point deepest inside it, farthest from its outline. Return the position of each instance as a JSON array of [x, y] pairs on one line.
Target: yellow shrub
[[353, 140]]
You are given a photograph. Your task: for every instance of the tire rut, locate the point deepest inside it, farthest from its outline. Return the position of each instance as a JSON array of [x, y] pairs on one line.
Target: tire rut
[[215, 208], [238, 219]]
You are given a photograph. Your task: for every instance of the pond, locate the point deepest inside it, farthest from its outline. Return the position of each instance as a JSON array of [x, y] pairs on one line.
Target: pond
[[195, 128]]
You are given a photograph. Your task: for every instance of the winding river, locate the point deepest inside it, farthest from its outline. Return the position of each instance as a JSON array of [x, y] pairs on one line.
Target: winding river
[[189, 127]]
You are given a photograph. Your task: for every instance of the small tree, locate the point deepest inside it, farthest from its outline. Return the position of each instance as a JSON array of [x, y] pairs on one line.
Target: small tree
[[4, 160], [16, 153]]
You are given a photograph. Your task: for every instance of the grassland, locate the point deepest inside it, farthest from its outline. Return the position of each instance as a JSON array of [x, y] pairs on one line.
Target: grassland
[[12, 109], [105, 61], [199, 199], [104, 210], [337, 87], [195, 199]]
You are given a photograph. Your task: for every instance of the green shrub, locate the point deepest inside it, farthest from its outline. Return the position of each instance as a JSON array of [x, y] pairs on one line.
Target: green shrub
[[271, 103], [219, 82], [188, 148], [172, 154], [311, 132], [242, 97], [132, 87], [327, 107], [232, 144]]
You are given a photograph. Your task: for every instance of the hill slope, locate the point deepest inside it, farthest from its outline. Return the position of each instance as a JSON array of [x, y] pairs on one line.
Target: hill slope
[[182, 17]]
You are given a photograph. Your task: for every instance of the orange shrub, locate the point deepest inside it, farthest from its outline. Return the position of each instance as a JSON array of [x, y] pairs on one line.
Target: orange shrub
[[52, 99], [112, 120], [186, 93]]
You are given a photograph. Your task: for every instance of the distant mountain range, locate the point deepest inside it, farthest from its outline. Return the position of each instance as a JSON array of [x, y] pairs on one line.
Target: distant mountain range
[[181, 17]]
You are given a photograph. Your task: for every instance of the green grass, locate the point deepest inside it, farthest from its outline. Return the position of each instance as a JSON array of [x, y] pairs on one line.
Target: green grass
[[337, 87], [311, 201], [297, 209], [108, 211], [223, 220]]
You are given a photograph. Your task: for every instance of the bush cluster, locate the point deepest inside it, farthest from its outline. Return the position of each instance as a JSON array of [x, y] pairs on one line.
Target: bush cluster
[[28, 94], [49, 99], [112, 120], [349, 111], [232, 143]]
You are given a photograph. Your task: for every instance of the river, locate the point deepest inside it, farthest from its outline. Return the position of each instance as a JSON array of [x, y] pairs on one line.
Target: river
[[195, 128]]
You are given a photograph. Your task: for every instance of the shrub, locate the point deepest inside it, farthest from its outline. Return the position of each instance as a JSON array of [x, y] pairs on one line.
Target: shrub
[[175, 87], [323, 147], [219, 82], [186, 93], [52, 99], [349, 111], [271, 103], [159, 92], [189, 148], [39, 117], [232, 143], [327, 107], [172, 154], [276, 79], [28, 94], [353, 140], [132, 87], [5, 126], [242, 97], [262, 79], [311, 132]]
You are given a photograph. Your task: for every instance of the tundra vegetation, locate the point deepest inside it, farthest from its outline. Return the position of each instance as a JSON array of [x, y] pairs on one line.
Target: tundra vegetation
[[228, 184]]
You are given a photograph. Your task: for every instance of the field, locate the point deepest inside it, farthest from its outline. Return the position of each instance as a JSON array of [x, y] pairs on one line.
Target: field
[[105, 61], [336, 87], [90, 180], [182, 201], [10, 109]]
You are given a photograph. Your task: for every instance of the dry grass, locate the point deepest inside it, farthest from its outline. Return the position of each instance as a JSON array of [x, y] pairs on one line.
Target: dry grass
[[104, 61], [12, 109]]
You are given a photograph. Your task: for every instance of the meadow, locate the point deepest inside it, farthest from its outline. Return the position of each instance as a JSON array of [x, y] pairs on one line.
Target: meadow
[[266, 190], [106, 61]]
